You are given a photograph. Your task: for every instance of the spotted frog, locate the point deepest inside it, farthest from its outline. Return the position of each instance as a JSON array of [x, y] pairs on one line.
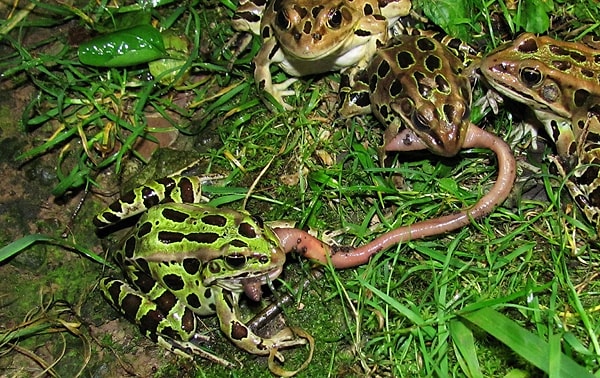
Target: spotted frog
[[306, 37], [416, 86], [560, 82], [185, 259]]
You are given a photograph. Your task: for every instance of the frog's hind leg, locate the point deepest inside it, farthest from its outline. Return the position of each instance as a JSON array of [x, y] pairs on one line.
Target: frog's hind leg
[[160, 316]]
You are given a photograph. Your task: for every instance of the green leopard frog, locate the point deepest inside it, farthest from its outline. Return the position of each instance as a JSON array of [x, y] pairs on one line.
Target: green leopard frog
[[306, 37], [559, 81], [185, 259]]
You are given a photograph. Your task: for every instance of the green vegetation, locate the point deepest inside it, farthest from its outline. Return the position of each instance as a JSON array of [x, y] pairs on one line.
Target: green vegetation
[[513, 294]]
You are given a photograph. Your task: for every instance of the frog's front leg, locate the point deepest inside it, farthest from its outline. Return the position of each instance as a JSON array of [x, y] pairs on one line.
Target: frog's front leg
[[269, 53], [227, 311], [160, 316]]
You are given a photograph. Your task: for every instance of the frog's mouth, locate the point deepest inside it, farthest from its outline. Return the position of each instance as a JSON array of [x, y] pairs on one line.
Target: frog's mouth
[[252, 285]]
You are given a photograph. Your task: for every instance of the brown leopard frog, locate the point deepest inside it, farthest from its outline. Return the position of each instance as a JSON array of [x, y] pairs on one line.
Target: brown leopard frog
[[560, 82], [416, 86], [306, 37]]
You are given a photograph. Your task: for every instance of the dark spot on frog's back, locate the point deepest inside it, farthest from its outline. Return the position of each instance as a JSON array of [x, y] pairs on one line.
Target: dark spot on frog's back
[[186, 188], [396, 88], [450, 112], [248, 16], [130, 305], [215, 220], [590, 175], [360, 99], [307, 27], [383, 69], [373, 83], [247, 230], [145, 283], [594, 197], [149, 323], [587, 73], [580, 97], [405, 59], [174, 215], [433, 63], [129, 247], [425, 44], [144, 229], [166, 301], [594, 111], [383, 110], [315, 11], [528, 46], [202, 237], [191, 266], [277, 5], [557, 50], [455, 44], [239, 243], [577, 56], [561, 65], [167, 237], [149, 197], [116, 206], [142, 264], [193, 300], [173, 281], [442, 84]]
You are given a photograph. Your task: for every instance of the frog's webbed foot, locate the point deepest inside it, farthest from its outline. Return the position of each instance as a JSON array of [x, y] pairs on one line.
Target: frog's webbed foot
[[523, 135], [492, 99], [280, 90], [287, 338], [274, 352], [240, 334]]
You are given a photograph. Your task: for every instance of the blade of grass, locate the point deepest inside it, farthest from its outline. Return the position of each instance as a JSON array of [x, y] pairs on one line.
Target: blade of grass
[[462, 338], [25, 242], [524, 343]]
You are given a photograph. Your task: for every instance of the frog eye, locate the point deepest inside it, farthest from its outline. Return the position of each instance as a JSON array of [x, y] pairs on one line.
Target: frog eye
[[335, 19], [531, 76], [283, 20], [235, 261]]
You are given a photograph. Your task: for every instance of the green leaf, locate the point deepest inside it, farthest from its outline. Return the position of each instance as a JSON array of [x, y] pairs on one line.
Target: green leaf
[[526, 344], [534, 16], [462, 337], [128, 47], [451, 15], [20, 245]]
